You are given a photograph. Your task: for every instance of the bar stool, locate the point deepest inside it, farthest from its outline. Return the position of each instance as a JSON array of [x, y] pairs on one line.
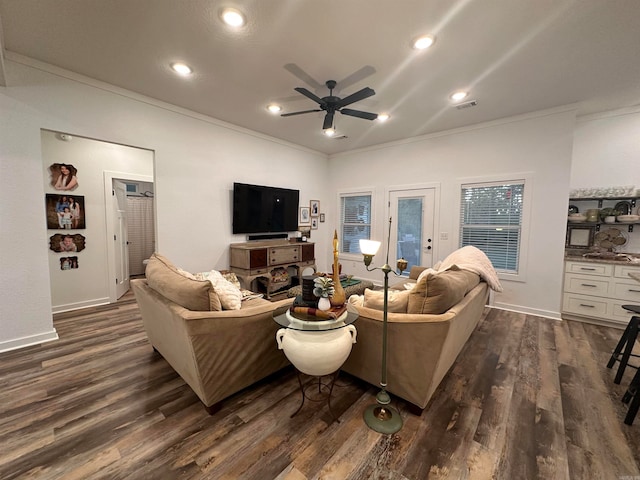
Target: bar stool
[[627, 341], [632, 395]]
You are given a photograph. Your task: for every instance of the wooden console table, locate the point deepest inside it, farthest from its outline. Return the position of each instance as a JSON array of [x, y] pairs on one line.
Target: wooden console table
[[251, 260]]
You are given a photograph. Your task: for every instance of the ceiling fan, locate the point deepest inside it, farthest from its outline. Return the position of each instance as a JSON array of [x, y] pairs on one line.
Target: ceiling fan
[[331, 104]]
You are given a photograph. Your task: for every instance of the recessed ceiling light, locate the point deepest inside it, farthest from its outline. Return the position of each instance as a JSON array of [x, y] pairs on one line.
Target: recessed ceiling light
[[181, 69], [383, 117], [329, 132], [232, 17], [273, 108], [425, 41], [457, 96]]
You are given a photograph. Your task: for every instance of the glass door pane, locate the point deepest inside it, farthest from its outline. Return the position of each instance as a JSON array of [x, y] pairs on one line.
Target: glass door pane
[[409, 230]]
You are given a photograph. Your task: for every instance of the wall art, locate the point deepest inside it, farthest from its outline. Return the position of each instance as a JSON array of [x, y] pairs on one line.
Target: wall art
[[314, 223], [64, 176], [304, 215], [315, 207], [65, 212], [69, 242], [67, 263]]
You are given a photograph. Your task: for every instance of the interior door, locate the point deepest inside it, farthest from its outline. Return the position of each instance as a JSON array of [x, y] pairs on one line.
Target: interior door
[[412, 212], [120, 239]]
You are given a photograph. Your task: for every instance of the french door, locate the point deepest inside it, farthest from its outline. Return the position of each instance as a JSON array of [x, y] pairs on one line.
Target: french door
[[412, 212]]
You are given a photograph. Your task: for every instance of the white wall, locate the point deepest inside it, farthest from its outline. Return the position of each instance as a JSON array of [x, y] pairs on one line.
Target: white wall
[[197, 159], [540, 143], [89, 283]]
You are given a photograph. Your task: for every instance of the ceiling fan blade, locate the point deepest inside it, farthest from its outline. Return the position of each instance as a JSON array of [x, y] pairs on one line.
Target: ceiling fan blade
[[359, 114], [355, 77], [302, 75], [299, 113], [310, 95], [328, 121], [356, 97]]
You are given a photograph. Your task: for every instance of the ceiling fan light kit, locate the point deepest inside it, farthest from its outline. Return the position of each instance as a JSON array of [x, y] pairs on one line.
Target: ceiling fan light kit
[[332, 104]]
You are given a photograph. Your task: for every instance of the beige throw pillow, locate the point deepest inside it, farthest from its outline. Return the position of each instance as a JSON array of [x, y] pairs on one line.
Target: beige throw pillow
[[437, 293], [166, 279], [396, 301]]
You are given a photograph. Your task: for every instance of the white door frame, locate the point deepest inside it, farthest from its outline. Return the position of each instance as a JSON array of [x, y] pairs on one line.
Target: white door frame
[[435, 186], [109, 177]]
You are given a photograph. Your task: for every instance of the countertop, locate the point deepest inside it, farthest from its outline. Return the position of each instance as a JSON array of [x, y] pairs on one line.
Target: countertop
[[624, 259]]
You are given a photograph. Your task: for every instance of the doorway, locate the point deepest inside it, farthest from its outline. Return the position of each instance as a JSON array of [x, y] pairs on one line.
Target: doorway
[[412, 238], [118, 220]]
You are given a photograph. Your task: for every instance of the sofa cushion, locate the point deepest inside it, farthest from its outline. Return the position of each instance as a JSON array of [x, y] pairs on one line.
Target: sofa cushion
[[436, 293], [230, 295], [396, 301], [165, 278]]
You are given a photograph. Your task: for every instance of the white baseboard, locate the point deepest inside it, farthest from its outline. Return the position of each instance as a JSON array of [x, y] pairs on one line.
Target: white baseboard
[[23, 342], [75, 306], [526, 310]]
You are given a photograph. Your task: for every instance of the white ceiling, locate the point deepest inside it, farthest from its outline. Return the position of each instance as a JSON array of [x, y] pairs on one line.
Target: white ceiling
[[514, 56]]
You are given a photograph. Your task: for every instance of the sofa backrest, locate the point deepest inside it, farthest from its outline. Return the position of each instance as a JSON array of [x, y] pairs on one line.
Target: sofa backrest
[[166, 279]]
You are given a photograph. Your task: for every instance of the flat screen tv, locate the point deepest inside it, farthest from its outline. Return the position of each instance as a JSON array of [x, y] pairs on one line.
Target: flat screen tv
[[262, 209]]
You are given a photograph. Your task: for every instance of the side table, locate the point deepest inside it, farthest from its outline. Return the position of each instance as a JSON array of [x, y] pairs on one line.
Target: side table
[[317, 348]]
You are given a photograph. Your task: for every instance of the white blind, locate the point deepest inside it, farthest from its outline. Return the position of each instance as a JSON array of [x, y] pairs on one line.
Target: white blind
[[355, 221], [491, 220]]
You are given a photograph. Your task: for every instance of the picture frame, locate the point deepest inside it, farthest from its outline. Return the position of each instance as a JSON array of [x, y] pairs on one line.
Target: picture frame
[[64, 176], [305, 217], [314, 223], [55, 206], [314, 205], [65, 243], [322, 218], [580, 236]]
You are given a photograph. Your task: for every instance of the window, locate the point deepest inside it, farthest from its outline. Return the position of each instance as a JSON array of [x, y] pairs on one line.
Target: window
[[491, 220], [355, 221]]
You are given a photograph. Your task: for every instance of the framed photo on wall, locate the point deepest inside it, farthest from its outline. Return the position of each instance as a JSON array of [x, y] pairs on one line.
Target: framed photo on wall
[[65, 212], [322, 218], [69, 242], [63, 176], [315, 208], [314, 223], [304, 216]]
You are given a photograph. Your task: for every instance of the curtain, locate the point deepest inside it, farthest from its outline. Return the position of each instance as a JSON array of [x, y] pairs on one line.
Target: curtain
[[142, 242]]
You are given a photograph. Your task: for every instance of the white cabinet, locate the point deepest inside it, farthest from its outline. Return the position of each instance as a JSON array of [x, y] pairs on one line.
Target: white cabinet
[[595, 292]]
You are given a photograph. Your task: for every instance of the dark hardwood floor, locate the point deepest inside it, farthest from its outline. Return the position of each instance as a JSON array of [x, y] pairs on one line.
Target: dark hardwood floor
[[528, 398]]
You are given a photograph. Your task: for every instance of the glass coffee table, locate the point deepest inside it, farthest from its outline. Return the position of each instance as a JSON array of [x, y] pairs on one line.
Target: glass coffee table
[[317, 349]]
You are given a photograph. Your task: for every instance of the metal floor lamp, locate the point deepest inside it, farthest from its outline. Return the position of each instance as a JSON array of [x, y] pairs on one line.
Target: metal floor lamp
[[382, 417]]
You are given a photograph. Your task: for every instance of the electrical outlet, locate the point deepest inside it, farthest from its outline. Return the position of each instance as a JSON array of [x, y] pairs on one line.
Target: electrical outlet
[[444, 236]]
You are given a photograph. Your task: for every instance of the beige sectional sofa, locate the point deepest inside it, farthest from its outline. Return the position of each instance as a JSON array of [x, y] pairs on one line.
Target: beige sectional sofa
[[426, 332], [217, 352]]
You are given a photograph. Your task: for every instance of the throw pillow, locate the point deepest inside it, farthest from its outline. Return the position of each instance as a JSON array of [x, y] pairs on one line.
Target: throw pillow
[[230, 296], [164, 277], [437, 293], [231, 277], [397, 300]]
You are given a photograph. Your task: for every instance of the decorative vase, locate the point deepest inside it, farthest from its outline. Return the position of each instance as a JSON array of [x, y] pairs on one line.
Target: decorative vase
[[319, 352], [339, 297], [324, 303]]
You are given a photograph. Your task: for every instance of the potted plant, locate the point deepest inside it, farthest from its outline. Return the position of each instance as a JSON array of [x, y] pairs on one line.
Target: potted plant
[[323, 289], [608, 215]]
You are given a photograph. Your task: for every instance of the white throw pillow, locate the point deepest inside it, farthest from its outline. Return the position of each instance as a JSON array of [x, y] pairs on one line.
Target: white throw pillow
[[397, 300], [426, 272], [230, 295]]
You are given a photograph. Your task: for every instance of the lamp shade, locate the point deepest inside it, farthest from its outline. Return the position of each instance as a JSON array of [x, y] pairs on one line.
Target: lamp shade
[[369, 247]]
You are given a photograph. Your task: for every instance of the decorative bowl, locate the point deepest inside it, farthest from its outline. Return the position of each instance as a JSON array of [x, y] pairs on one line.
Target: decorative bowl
[[577, 217], [628, 218]]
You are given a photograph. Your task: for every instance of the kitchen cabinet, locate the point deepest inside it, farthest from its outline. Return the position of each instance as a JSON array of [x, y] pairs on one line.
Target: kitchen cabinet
[[595, 292]]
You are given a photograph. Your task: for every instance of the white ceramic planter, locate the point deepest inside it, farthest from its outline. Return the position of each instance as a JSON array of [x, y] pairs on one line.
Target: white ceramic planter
[[317, 352]]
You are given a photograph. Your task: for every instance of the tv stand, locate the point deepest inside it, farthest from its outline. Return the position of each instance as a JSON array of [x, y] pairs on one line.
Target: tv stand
[[252, 260]]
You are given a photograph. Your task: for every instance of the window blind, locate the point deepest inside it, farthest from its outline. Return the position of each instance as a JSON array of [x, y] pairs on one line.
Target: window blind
[[491, 220], [355, 221]]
